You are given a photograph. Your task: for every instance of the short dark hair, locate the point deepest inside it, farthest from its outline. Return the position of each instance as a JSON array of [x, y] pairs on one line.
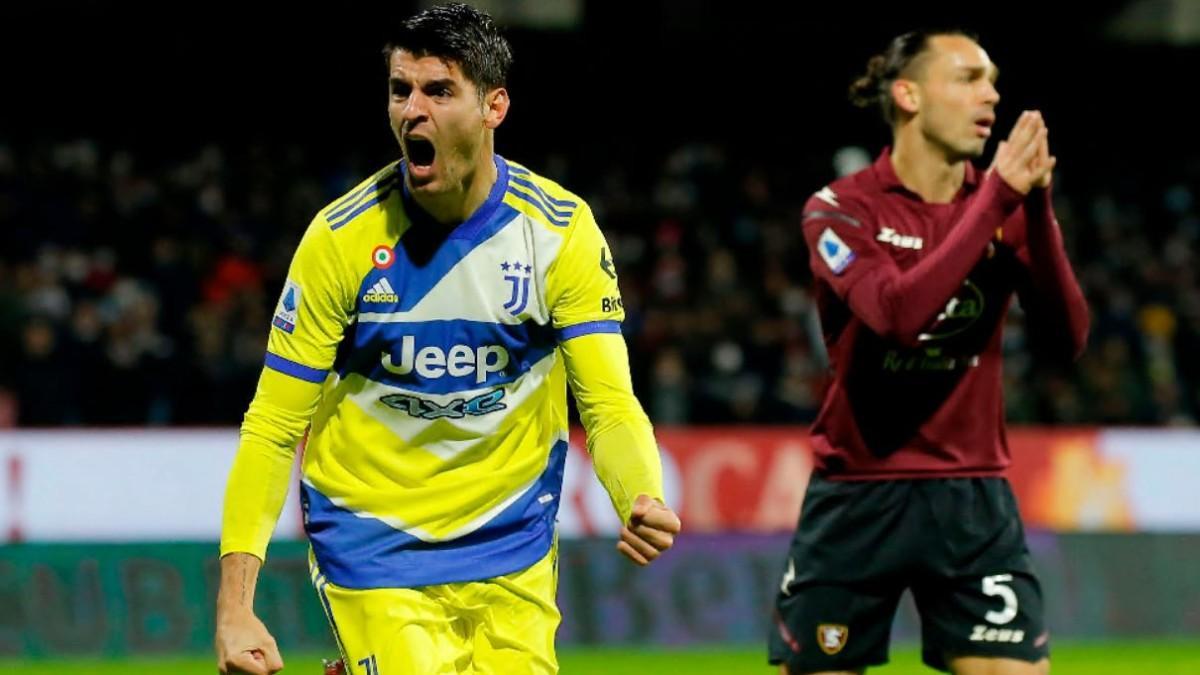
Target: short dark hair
[[459, 33], [875, 86]]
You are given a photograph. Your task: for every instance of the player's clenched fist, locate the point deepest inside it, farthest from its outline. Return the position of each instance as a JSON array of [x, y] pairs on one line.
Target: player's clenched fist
[[651, 530], [244, 646]]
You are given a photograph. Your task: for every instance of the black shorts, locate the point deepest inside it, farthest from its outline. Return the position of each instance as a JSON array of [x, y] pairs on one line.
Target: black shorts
[[956, 542]]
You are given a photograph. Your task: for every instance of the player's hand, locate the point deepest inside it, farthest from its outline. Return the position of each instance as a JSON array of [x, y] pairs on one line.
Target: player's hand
[[1044, 158], [1023, 161], [651, 530], [244, 645]]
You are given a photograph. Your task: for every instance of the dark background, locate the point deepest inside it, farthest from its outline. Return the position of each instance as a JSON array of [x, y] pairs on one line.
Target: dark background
[[696, 130]]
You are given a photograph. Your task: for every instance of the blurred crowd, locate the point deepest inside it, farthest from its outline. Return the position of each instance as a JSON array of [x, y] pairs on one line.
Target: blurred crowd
[[137, 291]]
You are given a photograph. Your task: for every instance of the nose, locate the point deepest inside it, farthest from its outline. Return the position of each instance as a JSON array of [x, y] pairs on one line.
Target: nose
[[990, 95], [415, 109]]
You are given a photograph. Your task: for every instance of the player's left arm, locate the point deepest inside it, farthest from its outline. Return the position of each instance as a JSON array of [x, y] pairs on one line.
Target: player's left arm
[[586, 310], [1056, 310], [621, 443]]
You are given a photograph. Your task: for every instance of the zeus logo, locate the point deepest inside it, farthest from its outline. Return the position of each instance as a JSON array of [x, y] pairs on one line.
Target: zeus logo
[[423, 408], [433, 362]]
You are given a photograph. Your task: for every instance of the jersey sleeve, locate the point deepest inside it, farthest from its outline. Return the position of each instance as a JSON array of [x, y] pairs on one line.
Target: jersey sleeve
[[307, 326], [841, 242], [620, 438], [1056, 309], [894, 303], [581, 283], [258, 481], [314, 308]]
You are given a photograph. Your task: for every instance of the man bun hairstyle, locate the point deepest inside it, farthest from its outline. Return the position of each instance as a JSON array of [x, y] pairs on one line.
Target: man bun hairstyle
[[874, 87]]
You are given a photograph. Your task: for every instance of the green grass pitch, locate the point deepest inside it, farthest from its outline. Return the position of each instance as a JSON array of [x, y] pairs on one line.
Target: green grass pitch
[[1076, 658]]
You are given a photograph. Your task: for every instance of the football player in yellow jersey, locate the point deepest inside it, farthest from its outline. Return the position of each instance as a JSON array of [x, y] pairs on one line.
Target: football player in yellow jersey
[[431, 321]]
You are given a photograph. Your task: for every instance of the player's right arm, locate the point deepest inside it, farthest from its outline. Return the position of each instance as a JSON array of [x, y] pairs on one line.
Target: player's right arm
[[242, 642], [309, 323], [899, 304]]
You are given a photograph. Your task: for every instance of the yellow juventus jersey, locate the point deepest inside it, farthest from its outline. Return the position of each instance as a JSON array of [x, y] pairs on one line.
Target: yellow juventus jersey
[[436, 452]]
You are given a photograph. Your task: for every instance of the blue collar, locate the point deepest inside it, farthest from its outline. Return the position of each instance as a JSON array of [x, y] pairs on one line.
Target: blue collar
[[468, 228]]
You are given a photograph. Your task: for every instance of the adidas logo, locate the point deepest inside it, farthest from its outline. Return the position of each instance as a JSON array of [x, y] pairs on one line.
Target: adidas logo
[[381, 292]]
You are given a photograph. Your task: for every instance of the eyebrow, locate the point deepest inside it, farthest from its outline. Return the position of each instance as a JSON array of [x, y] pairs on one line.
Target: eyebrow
[[975, 70], [446, 82]]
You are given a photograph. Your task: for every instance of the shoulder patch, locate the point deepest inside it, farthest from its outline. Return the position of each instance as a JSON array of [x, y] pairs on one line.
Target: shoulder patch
[[835, 252], [288, 309]]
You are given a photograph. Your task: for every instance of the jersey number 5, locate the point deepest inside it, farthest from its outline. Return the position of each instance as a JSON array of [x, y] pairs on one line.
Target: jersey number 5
[[995, 585]]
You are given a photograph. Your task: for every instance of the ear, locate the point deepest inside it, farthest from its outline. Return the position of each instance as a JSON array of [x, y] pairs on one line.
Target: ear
[[906, 94], [495, 107]]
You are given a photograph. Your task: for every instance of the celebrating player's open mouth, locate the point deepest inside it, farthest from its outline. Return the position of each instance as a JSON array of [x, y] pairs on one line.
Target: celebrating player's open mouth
[[420, 153]]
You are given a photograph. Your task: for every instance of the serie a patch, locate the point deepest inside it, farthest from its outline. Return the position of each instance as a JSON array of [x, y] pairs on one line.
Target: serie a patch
[[835, 252], [288, 309]]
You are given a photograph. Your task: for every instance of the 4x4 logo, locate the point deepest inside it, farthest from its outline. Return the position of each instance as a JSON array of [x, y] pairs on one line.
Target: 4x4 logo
[[423, 408]]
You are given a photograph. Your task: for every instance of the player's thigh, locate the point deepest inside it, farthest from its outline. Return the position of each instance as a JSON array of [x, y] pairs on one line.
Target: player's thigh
[[995, 616], [978, 595], [396, 631], [978, 665], [832, 628], [843, 577], [517, 620]]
